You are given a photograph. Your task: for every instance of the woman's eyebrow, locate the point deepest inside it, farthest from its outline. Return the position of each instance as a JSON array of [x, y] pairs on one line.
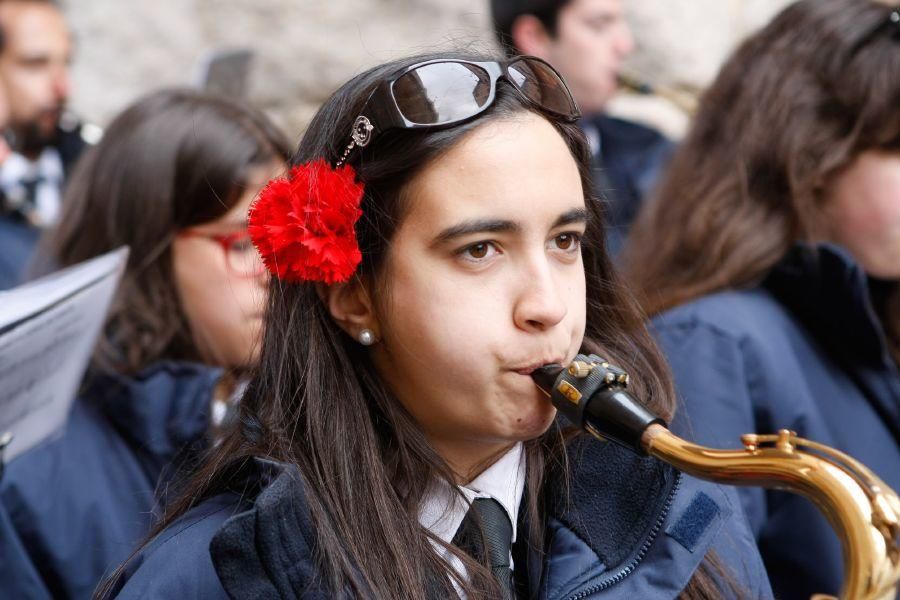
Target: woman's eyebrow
[[576, 215], [476, 226]]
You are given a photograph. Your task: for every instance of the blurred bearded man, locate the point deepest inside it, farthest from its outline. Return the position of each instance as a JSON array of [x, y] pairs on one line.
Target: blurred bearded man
[[35, 52]]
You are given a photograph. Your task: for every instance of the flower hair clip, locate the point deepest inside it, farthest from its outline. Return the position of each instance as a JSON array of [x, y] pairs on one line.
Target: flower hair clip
[[303, 225]]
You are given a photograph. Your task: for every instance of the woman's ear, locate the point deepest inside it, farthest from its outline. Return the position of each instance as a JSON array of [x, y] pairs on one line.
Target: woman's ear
[[350, 306]]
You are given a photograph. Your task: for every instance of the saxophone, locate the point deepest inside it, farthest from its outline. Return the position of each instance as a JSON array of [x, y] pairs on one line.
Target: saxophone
[[861, 508], [685, 98]]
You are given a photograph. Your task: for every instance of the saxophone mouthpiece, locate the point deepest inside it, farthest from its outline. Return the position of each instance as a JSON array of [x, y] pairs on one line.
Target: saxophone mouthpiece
[[545, 377], [592, 394]]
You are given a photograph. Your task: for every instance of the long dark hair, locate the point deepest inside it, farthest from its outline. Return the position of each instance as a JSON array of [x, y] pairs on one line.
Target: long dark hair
[[173, 159], [363, 457], [793, 106]]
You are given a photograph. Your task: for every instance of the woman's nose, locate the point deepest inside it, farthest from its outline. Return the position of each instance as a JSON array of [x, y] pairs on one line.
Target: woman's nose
[[540, 304]]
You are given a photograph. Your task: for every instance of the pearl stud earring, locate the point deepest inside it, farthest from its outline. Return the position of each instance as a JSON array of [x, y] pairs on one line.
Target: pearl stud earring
[[366, 337]]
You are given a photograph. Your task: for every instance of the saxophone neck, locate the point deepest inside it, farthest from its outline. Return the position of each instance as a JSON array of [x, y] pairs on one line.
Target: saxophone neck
[[864, 512]]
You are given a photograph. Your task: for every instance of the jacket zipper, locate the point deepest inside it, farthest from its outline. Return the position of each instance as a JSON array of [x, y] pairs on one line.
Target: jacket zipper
[[645, 547]]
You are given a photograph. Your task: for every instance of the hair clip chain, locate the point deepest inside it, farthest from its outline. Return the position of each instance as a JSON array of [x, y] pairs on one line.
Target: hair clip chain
[[360, 136]]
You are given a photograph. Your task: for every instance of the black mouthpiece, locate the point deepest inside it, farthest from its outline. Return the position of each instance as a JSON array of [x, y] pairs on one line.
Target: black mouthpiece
[[545, 377], [592, 394]]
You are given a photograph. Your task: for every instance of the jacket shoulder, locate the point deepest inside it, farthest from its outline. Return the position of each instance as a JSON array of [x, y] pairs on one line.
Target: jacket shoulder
[[630, 132], [177, 562], [733, 355], [736, 314], [739, 345]]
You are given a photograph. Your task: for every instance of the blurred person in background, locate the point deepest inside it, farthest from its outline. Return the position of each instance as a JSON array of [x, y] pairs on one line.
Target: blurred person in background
[[173, 179], [35, 52], [587, 41], [9, 259], [770, 258]]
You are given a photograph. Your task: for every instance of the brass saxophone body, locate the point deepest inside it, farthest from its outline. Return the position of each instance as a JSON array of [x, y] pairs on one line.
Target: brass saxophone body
[[685, 98], [862, 509]]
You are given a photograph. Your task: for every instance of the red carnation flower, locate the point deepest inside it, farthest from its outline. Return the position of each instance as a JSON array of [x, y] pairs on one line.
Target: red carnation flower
[[302, 225]]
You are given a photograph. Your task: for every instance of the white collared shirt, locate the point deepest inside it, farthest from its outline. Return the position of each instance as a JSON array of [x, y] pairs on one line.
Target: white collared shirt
[[443, 510], [48, 167]]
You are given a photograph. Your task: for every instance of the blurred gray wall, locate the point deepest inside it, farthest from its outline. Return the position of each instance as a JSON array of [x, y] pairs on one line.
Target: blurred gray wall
[[306, 48]]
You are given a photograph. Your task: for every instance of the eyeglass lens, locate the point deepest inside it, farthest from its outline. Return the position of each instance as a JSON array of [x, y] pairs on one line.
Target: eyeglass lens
[[442, 92], [243, 258], [542, 85]]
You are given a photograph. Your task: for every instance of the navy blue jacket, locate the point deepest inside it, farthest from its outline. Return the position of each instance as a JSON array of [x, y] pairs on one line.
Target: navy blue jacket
[[803, 351], [18, 239], [75, 507], [17, 243], [635, 528], [627, 162]]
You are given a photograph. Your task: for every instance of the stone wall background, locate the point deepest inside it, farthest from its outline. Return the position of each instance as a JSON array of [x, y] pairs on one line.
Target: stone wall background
[[306, 48]]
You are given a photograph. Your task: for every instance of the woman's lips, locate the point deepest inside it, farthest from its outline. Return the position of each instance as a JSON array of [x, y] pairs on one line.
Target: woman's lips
[[527, 370]]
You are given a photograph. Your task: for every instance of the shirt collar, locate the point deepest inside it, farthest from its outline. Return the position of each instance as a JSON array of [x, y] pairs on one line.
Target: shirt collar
[[48, 166], [504, 481], [592, 135]]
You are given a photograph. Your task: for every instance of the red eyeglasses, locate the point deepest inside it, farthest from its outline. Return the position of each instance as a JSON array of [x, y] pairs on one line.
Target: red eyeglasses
[[240, 254]]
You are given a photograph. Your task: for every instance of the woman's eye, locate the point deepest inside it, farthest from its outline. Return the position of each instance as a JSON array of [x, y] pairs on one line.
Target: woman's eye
[[567, 241], [242, 245], [479, 251]]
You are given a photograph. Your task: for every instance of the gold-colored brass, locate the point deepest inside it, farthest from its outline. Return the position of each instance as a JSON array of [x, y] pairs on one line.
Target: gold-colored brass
[[683, 97], [569, 392], [863, 510], [580, 369]]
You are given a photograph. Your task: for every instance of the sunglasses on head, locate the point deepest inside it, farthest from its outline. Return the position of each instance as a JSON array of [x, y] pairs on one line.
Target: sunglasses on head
[[444, 92]]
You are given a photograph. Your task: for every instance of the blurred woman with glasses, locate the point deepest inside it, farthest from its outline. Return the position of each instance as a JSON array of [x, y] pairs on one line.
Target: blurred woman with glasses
[[173, 179], [771, 260]]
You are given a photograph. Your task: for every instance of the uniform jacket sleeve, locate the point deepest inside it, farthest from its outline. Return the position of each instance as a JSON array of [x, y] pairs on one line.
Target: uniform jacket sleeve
[[716, 374]]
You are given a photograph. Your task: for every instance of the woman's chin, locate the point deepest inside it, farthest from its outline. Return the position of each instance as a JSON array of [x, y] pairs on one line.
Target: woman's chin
[[534, 420]]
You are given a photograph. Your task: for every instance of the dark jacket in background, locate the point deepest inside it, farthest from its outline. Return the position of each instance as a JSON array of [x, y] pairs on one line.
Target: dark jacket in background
[[635, 528], [804, 351], [72, 509], [627, 159], [18, 238]]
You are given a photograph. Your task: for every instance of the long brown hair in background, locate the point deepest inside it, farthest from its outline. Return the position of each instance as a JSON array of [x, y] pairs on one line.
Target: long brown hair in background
[[172, 160], [796, 103], [317, 400]]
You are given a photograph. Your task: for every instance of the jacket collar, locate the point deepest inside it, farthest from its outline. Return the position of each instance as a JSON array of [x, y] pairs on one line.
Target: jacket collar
[[268, 551], [822, 285], [614, 510], [614, 523], [161, 408]]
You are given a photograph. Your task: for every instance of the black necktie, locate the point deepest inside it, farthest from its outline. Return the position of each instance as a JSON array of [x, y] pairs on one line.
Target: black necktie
[[30, 185], [498, 532], [23, 200]]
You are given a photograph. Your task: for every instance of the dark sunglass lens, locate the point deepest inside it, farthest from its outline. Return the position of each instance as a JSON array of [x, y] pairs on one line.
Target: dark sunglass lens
[[543, 86], [442, 93]]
